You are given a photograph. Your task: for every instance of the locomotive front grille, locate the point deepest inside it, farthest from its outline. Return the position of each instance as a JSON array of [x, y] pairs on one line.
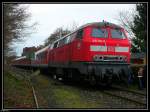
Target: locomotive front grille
[[108, 58]]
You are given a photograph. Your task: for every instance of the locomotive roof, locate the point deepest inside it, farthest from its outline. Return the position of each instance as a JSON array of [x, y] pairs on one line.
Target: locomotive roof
[[98, 24]]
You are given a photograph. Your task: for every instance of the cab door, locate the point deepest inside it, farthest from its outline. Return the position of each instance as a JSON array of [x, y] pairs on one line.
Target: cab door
[[76, 46]]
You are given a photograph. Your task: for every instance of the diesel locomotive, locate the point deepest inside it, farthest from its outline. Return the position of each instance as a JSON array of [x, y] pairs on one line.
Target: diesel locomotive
[[96, 52]]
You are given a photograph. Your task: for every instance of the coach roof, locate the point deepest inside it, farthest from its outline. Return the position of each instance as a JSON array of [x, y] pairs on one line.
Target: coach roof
[[41, 50], [22, 57]]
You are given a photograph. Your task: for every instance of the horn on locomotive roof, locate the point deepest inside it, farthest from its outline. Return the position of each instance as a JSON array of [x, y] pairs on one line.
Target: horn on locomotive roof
[[105, 22]]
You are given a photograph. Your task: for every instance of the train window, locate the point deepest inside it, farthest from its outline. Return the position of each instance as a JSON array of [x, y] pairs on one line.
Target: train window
[[62, 42], [40, 55], [37, 57], [80, 34], [44, 55], [55, 45], [117, 33], [51, 46], [100, 33], [72, 37], [66, 39]]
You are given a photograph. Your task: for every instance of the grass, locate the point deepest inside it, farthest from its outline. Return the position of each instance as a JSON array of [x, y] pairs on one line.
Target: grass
[[133, 87], [17, 93], [72, 99], [50, 93], [60, 95]]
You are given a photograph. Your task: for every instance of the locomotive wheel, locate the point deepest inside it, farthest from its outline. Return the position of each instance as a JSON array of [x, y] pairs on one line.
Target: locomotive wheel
[[55, 76], [107, 81], [65, 77], [92, 80], [124, 78]]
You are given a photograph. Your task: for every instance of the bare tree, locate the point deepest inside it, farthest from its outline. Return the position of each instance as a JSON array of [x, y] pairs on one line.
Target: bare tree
[[126, 18], [74, 26], [135, 23], [58, 33], [15, 27]]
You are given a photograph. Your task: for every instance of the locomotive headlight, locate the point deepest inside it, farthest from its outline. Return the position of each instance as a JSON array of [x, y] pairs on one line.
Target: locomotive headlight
[[98, 58], [95, 57], [101, 57], [122, 58], [125, 58]]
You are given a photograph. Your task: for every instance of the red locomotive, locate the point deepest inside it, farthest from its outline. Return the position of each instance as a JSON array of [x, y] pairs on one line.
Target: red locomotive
[[96, 52]]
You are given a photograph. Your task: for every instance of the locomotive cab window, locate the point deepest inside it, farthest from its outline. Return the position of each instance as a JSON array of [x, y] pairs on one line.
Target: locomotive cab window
[[117, 33], [99, 32], [71, 37], [55, 45], [80, 34], [61, 42]]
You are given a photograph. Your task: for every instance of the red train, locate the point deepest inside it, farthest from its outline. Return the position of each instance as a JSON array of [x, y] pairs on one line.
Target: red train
[[97, 52]]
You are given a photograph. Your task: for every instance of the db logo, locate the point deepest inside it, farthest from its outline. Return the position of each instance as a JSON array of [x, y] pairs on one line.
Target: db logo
[[110, 48], [78, 45]]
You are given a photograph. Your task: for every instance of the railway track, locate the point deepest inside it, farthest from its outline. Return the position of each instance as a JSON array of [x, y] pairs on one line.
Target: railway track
[[27, 75], [129, 90], [131, 96], [123, 93], [128, 95]]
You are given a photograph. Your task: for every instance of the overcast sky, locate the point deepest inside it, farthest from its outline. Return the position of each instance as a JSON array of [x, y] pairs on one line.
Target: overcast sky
[[52, 16]]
